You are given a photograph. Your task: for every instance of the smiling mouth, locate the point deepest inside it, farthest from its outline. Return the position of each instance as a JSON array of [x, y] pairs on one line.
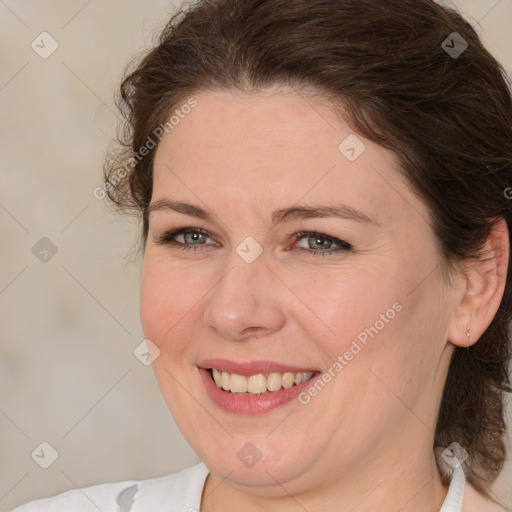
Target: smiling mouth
[[259, 384]]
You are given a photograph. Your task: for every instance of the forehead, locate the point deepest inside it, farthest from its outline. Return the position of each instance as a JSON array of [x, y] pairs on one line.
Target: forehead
[[270, 149]]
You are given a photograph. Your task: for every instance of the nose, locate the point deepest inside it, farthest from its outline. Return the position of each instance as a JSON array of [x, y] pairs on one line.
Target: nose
[[244, 302]]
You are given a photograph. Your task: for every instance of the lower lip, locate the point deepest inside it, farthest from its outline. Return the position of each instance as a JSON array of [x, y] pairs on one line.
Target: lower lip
[[246, 404]]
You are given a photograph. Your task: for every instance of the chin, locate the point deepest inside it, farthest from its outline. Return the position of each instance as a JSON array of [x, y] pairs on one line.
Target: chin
[[254, 461]]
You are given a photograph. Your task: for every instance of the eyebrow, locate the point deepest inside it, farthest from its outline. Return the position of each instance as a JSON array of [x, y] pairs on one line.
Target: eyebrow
[[283, 215]]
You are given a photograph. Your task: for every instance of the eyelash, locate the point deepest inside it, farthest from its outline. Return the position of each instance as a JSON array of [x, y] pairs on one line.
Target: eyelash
[[168, 239]]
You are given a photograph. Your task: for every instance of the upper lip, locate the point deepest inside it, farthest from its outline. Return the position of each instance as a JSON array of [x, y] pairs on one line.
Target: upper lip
[[248, 368]]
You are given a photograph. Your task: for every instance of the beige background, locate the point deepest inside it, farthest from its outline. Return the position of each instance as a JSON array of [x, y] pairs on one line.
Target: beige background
[[69, 326]]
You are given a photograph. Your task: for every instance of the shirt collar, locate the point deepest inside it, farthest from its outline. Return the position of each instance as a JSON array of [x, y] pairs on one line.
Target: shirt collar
[[453, 500]]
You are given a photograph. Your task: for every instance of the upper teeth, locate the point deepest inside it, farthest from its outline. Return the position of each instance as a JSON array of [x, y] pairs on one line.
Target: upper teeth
[[258, 383]]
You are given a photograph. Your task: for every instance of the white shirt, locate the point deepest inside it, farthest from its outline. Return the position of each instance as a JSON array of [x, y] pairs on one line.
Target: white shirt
[[178, 492]]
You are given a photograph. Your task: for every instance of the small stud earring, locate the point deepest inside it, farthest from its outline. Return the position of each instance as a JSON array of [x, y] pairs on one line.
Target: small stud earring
[[467, 334]]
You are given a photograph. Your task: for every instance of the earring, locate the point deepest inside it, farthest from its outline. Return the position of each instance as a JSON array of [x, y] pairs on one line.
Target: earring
[[467, 334]]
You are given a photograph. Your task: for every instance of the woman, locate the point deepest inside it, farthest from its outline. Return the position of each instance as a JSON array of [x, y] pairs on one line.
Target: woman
[[325, 285]]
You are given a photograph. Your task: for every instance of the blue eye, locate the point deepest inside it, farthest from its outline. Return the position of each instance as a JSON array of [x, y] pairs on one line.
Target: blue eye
[[193, 238], [193, 235], [325, 242]]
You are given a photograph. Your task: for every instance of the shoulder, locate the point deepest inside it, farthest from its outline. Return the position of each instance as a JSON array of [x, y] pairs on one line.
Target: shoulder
[[474, 501], [179, 491]]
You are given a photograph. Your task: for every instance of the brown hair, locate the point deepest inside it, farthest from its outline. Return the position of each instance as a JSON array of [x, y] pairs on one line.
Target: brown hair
[[447, 117]]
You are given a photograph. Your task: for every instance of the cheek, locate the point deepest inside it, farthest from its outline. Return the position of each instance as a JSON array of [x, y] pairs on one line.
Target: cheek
[[347, 304], [373, 319], [166, 314], [167, 301], [391, 352]]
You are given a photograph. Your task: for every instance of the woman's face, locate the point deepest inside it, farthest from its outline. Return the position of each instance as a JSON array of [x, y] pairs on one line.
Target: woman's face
[[242, 294]]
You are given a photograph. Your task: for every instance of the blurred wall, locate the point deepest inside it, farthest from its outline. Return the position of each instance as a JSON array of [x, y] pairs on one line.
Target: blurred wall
[[69, 319]]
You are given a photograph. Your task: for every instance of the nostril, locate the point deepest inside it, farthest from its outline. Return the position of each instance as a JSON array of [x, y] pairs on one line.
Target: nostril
[[250, 332]]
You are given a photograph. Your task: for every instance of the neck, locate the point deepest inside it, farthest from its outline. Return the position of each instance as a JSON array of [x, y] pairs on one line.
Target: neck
[[408, 484]]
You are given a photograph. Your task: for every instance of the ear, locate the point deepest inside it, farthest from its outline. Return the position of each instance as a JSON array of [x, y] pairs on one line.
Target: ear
[[483, 284]]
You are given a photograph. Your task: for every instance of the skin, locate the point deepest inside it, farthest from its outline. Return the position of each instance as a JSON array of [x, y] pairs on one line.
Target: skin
[[365, 441]]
